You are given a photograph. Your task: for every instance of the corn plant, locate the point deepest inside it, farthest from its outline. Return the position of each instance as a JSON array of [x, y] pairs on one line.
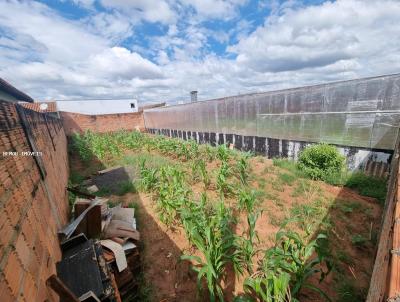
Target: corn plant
[[223, 185], [193, 149], [214, 239], [184, 151], [269, 286], [199, 170], [245, 244], [247, 200], [223, 153], [148, 177], [173, 194], [209, 153], [242, 168], [295, 253]]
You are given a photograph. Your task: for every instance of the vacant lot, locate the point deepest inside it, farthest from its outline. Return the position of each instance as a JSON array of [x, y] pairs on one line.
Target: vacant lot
[[240, 220]]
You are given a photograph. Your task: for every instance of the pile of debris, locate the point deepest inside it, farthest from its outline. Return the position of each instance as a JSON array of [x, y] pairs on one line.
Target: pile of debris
[[100, 253]]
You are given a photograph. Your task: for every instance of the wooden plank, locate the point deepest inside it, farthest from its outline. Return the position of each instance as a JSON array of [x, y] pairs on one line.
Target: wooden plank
[[93, 219], [61, 289], [394, 278], [378, 284]]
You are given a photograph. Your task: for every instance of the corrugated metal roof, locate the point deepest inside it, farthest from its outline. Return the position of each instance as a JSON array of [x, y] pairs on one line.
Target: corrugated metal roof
[[11, 90]]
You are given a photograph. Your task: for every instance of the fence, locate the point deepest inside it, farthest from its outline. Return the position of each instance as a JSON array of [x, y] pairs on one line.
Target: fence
[[360, 113]]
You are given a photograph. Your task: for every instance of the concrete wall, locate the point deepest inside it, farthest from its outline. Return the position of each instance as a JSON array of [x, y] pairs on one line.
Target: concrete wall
[[75, 122], [373, 162], [33, 203]]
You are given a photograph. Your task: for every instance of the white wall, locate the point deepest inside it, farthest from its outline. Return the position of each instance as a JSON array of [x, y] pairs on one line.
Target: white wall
[[98, 106]]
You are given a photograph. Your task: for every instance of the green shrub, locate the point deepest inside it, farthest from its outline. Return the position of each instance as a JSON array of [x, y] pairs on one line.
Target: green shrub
[[321, 161]]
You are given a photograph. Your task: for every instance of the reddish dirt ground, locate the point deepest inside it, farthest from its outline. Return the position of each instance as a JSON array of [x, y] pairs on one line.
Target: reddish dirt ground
[[173, 280]]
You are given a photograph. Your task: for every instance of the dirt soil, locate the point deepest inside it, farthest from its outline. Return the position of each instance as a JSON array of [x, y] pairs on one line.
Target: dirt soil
[[344, 211]]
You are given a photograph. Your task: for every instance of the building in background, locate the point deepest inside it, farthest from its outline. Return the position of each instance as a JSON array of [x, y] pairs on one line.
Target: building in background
[[11, 94], [98, 107]]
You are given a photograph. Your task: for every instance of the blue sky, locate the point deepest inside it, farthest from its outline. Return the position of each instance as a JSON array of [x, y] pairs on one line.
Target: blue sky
[[160, 50]]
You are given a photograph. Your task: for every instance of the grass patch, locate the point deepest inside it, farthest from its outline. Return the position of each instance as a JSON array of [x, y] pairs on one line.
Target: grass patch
[[368, 186], [104, 191], [285, 164], [277, 185], [301, 189], [344, 257], [359, 240], [308, 216], [261, 183], [348, 207], [287, 179], [152, 160], [126, 187], [348, 292], [76, 178]]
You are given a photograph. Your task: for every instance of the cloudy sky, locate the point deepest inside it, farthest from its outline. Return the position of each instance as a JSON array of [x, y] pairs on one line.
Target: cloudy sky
[[160, 50]]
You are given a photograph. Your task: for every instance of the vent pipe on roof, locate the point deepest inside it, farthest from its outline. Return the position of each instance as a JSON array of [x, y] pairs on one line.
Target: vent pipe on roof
[[193, 96]]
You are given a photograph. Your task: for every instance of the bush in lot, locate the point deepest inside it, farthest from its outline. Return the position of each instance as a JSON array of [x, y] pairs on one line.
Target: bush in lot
[[321, 161]]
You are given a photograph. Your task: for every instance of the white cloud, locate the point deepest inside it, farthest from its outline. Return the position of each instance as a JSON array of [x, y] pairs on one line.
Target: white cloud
[[220, 9], [49, 56], [115, 27], [318, 36], [119, 63], [149, 10]]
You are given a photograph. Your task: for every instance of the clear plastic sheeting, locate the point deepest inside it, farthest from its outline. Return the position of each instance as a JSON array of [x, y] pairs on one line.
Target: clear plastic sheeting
[[360, 113]]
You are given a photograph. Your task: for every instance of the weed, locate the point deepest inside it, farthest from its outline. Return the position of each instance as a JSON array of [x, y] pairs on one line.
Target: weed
[[76, 178], [359, 240], [348, 292], [133, 205], [349, 207], [126, 187], [301, 189], [260, 159], [344, 257], [277, 185], [261, 183], [368, 186], [103, 191], [274, 219], [306, 189], [286, 179], [310, 215], [288, 165], [81, 147], [112, 203]]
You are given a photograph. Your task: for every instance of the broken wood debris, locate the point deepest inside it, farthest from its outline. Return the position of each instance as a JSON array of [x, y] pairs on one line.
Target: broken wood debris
[[111, 233]]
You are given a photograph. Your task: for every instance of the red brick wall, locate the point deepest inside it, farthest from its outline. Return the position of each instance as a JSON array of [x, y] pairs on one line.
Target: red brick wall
[[75, 122], [33, 208]]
